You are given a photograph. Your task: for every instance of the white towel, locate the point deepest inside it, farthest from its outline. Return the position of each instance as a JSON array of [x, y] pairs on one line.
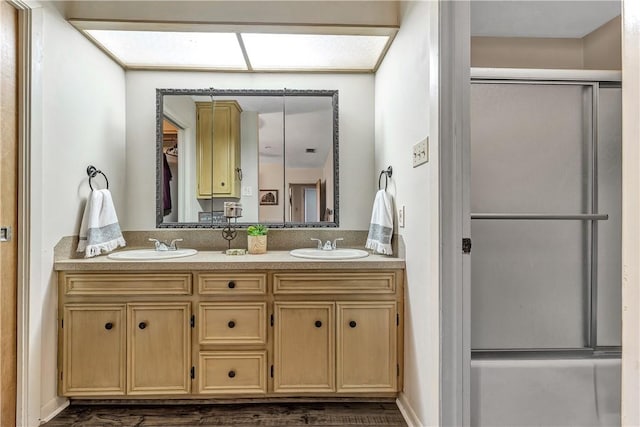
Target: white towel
[[381, 228], [99, 231]]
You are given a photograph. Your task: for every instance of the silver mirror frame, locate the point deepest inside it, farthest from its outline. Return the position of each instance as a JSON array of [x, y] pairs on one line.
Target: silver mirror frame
[[160, 93]]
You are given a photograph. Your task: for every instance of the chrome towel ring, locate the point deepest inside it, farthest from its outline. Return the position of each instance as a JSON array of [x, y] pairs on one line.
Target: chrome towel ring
[[92, 172], [387, 174]]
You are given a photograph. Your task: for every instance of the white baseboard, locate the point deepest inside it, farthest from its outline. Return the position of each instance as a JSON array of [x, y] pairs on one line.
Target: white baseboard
[[53, 408], [407, 411]]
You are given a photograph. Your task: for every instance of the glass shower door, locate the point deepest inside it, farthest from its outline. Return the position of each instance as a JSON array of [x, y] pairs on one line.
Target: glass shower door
[[534, 198]]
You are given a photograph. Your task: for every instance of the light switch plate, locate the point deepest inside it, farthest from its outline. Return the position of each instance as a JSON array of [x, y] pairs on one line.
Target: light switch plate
[[421, 152], [247, 191], [401, 217]]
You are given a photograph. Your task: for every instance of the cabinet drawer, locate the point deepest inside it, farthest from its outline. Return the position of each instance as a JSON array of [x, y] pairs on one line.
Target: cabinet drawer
[[232, 372], [232, 284], [332, 283], [127, 284], [233, 323]]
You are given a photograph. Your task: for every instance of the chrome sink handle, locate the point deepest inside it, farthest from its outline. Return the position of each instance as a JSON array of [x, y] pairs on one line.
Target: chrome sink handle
[[335, 241], [319, 243], [173, 246]]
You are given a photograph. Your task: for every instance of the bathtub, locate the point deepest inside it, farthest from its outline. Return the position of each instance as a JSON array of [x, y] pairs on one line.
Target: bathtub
[[558, 392]]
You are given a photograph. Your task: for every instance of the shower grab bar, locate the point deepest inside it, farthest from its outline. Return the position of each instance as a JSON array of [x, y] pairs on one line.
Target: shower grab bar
[[533, 216]]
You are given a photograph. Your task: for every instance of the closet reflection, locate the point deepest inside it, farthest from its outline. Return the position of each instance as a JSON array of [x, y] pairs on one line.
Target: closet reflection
[[272, 151]]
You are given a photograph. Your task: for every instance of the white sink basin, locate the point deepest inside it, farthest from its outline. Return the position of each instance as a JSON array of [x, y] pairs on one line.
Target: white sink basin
[[150, 254], [333, 254]]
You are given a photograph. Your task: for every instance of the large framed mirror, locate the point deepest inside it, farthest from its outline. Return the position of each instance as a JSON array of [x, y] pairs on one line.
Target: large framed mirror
[[273, 152]]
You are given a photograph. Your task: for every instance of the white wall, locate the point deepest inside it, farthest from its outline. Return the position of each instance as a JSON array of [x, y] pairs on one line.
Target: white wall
[[356, 99], [406, 110], [249, 161], [81, 122]]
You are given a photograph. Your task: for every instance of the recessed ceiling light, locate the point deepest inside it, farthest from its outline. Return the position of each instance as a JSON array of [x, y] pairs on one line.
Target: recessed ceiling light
[[313, 51], [172, 49], [239, 46]]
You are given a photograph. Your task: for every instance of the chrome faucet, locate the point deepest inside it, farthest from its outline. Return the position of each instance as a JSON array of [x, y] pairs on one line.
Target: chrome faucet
[[328, 246], [164, 246]]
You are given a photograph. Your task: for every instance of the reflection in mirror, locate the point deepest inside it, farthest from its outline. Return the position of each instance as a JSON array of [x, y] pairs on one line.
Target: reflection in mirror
[[272, 151]]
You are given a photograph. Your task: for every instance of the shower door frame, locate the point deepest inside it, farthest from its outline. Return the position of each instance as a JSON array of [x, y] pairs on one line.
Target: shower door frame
[[594, 81]]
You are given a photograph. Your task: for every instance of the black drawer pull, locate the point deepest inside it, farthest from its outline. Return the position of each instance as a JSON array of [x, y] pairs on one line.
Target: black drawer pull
[[142, 325], [108, 326], [232, 285], [318, 323], [353, 323], [231, 324], [232, 374]]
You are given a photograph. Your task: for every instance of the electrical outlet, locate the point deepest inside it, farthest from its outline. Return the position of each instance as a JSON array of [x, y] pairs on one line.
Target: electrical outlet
[[421, 152], [401, 216], [247, 191]]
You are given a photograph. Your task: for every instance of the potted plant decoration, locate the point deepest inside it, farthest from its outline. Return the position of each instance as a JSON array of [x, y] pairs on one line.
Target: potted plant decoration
[[257, 239]]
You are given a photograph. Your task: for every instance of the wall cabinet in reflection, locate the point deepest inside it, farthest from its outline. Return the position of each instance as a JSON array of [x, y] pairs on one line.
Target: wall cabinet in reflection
[[218, 149]]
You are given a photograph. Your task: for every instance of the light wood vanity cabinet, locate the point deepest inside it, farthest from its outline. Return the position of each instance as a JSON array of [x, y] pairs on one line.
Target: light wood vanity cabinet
[[345, 340], [363, 335], [124, 334], [231, 334], [218, 149]]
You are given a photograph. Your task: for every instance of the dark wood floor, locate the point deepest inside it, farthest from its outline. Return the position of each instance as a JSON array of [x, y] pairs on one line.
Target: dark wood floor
[[236, 415]]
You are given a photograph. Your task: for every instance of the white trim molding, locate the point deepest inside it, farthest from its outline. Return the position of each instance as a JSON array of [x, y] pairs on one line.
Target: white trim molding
[[455, 221], [24, 207], [407, 411], [630, 410], [546, 74]]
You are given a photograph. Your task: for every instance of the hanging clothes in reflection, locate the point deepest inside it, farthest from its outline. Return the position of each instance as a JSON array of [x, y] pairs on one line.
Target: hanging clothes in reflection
[[166, 185]]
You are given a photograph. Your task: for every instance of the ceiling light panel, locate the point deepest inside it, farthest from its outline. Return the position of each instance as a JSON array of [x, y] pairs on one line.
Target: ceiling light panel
[[172, 49], [313, 51]]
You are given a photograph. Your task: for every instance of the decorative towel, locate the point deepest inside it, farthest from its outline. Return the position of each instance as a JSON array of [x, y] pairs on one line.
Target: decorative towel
[[381, 228], [99, 231]]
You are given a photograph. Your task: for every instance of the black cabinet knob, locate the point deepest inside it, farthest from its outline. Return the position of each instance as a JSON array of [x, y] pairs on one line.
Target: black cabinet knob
[[108, 326], [222, 184], [231, 324], [232, 374], [353, 323], [232, 285], [318, 323], [142, 325]]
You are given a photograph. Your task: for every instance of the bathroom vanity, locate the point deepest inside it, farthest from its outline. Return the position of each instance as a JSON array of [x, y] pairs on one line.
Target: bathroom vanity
[[221, 326]]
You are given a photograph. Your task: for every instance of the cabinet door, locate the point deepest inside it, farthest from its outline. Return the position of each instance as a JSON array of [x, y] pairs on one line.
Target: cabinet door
[[93, 349], [304, 347], [366, 346], [204, 147], [218, 149], [223, 151], [159, 348]]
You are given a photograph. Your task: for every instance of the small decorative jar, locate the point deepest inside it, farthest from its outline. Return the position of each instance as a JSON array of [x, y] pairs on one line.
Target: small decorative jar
[[257, 239], [257, 244]]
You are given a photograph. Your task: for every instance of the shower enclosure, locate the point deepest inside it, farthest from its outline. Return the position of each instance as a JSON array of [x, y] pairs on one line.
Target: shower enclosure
[[546, 259]]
